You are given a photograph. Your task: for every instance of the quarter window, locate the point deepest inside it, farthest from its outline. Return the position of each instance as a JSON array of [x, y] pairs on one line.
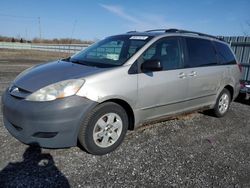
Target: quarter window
[[200, 52], [224, 54]]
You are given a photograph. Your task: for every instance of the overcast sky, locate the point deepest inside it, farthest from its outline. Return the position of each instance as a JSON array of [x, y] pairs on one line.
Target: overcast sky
[[90, 19]]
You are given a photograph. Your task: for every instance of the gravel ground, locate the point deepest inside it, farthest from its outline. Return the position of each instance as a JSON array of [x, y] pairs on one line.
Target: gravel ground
[[195, 150]]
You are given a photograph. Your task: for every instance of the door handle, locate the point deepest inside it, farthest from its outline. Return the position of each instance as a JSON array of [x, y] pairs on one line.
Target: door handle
[[182, 75], [193, 73]]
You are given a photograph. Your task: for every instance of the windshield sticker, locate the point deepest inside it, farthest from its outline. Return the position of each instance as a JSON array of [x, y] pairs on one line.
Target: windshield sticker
[[139, 37], [114, 57]]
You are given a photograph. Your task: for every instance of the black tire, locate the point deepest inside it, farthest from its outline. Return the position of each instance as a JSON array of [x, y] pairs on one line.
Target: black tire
[[86, 137], [216, 110], [242, 96]]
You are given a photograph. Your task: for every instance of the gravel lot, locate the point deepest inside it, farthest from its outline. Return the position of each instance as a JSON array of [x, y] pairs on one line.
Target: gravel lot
[[195, 150]]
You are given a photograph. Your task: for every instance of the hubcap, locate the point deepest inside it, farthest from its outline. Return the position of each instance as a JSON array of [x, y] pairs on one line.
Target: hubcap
[[107, 130], [223, 103]]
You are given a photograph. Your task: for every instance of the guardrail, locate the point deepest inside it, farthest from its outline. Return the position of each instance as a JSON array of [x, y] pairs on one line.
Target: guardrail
[[69, 48]]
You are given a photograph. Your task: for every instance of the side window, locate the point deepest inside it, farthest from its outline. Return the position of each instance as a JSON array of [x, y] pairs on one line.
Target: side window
[[167, 51], [150, 53], [224, 54], [200, 52]]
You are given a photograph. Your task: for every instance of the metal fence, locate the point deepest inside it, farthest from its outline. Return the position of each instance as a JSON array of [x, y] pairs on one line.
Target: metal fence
[[241, 47]]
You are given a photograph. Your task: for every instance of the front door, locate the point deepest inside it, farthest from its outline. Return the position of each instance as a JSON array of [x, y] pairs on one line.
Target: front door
[[162, 92]]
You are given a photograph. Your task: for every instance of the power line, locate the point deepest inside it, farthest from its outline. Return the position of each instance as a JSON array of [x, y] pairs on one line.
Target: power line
[[17, 16], [10, 20], [25, 17], [28, 18]]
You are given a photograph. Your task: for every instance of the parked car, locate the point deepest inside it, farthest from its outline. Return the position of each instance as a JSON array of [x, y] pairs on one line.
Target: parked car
[[117, 84], [245, 82]]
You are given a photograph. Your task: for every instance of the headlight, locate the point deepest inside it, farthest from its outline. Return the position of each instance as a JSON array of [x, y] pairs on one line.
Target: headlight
[[55, 91]]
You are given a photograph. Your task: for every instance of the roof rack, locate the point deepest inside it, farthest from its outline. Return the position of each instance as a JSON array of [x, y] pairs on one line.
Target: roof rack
[[156, 30], [131, 31], [183, 31]]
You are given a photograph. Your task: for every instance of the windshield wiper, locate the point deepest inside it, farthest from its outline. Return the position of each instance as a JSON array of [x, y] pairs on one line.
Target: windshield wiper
[[69, 59], [66, 59], [77, 62], [88, 63]]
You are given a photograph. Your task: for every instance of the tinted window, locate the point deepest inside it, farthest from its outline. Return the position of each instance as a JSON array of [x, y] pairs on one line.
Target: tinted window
[[167, 51], [200, 52], [224, 54]]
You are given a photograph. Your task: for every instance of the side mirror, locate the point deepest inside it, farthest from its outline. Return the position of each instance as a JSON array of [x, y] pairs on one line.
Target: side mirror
[[151, 65]]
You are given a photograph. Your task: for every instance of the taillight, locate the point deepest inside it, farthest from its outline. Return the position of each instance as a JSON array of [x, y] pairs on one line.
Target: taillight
[[240, 66], [242, 85]]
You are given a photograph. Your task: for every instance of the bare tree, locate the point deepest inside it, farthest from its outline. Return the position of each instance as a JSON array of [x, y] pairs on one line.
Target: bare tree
[[248, 23], [247, 29]]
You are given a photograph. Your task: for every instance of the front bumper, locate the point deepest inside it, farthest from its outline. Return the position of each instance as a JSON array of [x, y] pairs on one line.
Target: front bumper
[[52, 124]]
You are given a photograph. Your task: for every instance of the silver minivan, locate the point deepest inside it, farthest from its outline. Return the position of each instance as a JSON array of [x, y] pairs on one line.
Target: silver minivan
[[117, 84]]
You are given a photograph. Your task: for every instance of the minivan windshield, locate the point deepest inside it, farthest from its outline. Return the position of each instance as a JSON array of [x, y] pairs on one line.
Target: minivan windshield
[[110, 52]]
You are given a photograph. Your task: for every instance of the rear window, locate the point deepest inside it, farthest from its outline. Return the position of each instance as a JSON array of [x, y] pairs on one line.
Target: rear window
[[224, 54], [200, 52]]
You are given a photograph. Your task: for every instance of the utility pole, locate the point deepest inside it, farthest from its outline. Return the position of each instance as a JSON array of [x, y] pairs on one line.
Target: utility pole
[[40, 31], [26, 34]]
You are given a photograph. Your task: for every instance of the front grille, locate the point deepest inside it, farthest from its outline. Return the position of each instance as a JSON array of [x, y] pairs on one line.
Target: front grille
[[19, 92], [44, 134]]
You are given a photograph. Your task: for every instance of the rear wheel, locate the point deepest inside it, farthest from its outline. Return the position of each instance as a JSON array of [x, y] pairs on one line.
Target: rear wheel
[[104, 128], [222, 104]]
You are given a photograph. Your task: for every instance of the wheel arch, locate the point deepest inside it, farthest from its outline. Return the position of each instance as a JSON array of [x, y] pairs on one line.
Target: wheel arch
[[127, 108], [231, 90]]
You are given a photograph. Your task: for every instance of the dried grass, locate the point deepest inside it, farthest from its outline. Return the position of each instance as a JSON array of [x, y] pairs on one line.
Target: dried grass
[[13, 54]]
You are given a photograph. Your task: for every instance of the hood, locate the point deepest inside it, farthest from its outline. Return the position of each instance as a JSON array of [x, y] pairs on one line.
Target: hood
[[42, 75]]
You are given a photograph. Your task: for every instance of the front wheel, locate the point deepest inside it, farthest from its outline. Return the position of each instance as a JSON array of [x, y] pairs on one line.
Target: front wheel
[[222, 104], [104, 128]]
